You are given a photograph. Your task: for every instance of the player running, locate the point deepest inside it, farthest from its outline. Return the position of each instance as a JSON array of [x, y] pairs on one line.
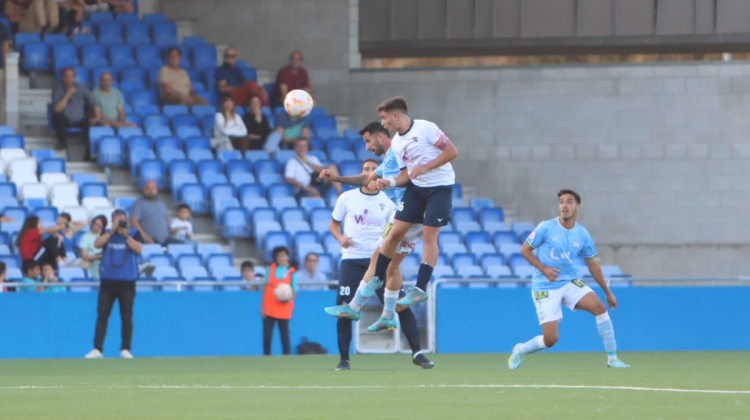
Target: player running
[[365, 212], [558, 242]]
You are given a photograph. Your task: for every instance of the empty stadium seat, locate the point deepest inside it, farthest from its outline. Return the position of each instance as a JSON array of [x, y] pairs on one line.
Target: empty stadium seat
[[463, 259], [445, 238], [236, 222]]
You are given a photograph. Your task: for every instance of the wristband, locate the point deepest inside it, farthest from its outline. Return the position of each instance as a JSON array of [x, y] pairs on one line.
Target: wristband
[[392, 181]]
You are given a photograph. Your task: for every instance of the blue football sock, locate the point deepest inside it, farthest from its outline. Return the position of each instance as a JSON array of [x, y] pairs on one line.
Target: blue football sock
[[359, 301], [423, 276], [607, 332], [533, 345], [390, 298]]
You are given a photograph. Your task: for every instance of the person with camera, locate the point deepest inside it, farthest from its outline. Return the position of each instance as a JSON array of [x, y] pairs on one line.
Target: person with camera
[[119, 270]]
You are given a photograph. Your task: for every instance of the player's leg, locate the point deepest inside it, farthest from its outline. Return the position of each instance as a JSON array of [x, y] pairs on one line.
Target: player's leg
[[286, 348], [368, 284], [549, 311], [590, 302], [438, 205], [350, 273], [389, 296], [268, 323]]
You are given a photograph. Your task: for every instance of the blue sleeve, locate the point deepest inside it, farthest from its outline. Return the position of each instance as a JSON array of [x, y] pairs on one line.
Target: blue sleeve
[[379, 170], [268, 274], [588, 250], [294, 282], [538, 236]]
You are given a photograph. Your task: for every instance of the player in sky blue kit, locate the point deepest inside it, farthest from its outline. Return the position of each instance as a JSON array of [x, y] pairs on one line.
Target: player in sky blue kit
[[558, 243]]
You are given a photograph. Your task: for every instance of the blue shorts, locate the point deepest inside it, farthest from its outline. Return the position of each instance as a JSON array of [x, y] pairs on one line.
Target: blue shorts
[[430, 206]]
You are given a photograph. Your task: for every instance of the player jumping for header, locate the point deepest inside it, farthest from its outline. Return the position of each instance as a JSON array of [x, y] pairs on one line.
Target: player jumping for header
[[558, 242]]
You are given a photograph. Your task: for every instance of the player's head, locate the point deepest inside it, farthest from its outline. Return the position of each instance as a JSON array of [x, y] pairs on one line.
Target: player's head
[[280, 256], [393, 113], [369, 165], [569, 203], [376, 137]]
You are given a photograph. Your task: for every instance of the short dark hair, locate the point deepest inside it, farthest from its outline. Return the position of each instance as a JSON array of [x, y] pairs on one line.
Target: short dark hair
[[374, 128], [170, 49], [278, 250], [28, 265], [297, 52], [247, 264], [66, 69], [571, 192], [365, 160], [2, 267], [397, 103], [66, 216], [183, 206], [308, 255], [103, 219]]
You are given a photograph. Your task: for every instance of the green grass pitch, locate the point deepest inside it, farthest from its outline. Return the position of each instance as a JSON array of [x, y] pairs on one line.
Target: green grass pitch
[[461, 387]]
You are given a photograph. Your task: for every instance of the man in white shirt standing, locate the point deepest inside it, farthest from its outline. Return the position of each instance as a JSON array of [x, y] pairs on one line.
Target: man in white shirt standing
[[365, 213], [302, 173], [423, 153]]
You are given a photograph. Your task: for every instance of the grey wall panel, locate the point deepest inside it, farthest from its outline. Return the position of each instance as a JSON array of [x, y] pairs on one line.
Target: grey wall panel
[[460, 19], [507, 18], [548, 18], [733, 16], [635, 17], [375, 20], [596, 18], [406, 19], [705, 16], [432, 19], [675, 17], [483, 18]]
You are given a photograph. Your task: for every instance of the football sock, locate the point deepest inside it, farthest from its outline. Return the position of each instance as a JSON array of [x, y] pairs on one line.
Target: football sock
[[607, 331], [533, 345], [423, 276], [381, 267], [390, 298], [359, 301], [344, 329], [409, 328]]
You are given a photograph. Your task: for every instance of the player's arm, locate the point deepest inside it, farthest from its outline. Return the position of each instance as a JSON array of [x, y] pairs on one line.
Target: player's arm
[[400, 180], [334, 227], [449, 153], [528, 252], [356, 180], [596, 272]]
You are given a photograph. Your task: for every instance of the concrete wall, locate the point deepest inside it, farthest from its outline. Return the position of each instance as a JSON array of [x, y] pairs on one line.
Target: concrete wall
[[658, 151], [265, 32]]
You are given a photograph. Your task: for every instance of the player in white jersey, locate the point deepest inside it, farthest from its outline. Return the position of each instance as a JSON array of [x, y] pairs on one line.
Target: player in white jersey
[[364, 213], [558, 243], [423, 153]]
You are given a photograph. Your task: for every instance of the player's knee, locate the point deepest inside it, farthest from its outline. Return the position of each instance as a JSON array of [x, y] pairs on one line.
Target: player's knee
[[430, 235], [599, 309], [550, 340]]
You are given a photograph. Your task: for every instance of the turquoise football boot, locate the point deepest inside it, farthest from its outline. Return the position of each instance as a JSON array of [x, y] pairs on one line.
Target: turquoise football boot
[[413, 297], [618, 364], [343, 311], [374, 284], [383, 324], [515, 359]]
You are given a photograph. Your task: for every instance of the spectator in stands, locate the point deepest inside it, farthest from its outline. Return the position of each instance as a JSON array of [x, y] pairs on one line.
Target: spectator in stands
[[271, 309], [3, 273], [33, 15], [174, 82], [90, 254], [181, 228], [228, 126], [311, 274], [29, 240], [49, 276], [288, 130], [231, 81], [258, 128], [248, 274], [120, 246], [30, 269], [71, 15], [117, 6], [289, 78], [71, 103], [302, 172], [4, 45], [70, 231], [149, 215], [55, 252], [111, 103]]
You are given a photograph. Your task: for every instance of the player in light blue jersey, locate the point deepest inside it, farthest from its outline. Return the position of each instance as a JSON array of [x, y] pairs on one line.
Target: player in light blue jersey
[[558, 243], [378, 142]]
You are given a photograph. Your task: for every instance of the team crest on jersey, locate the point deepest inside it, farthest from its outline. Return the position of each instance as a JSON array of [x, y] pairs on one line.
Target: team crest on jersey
[[576, 245], [382, 206], [414, 139]]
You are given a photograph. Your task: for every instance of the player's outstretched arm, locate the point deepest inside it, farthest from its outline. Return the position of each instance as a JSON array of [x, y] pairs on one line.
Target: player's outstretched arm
[[596, 272], [400, 180], [356, 180], [528, 252]]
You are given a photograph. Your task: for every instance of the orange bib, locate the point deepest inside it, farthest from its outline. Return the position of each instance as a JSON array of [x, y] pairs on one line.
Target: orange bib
[[272, 306]]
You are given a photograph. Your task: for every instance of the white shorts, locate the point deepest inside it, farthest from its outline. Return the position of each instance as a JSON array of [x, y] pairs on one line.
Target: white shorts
[[412, 237], [548, 302]]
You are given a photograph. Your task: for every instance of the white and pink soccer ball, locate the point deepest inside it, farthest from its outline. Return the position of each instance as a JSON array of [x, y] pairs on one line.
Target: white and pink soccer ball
[[283, 292], [298, 103]]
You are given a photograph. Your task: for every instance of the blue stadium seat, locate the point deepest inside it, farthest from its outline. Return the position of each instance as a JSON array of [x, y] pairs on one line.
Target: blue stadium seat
[[110, 33], [149, 250], [326, 133], [523, 271], [210, 179], [208, 166], [338, 156], [170, 111], [199, 155], [154, 17], [178, 180], [156, 131], [320, 214], [498, 271], [504, 237], [39, 154], [216, 259], [148, 110], [350, 168], [143, 97], [169, 154], [124, 202], [54, 39], [83, 39], [48, 215], [240, 178], [162, 273], [476, 237], [188, 261], [250, 191], [6, 129], [151, 170], [266, 166], [289, 214], [472, 271], [351, 133], [185, 132], [304, 237], [611, 271], [460, 259], [279, 190], [202, 110], [253, 203], [219, 191], [177, 250], [508, 249], [12, 141], [128, 132], [301, 250], [36, 203], [129, 86], [206, 250], [138, 142], [267, 179], [136, 74], [36, 57], [491, 215], [316, 112], [236, 223], [450, 249], [226, 155], [193, 40], [181, 166], [167, 142], [111, 152], [204, 56], [233, 166], [445, 238], [488, 260], [148, 56], [275, 239], [480, 249], [82, 179], [23, 38], [192, 143], [127, 17], [164, 30], [155, 120], [67, 274], [443, 271], [96, 74], [256, 155], [480, 203], [93, 189], [101, 17], [96, 134], [136, 33], [219, 206], [283, 156], [64, 55], [467, 226], [136, 157], [310, 203], [522, 227], [324, 122], [464, 214], [264, 215]]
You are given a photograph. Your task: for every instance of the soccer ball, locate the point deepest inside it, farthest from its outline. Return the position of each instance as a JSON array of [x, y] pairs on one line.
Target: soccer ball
[[298, 103], [283, 292]]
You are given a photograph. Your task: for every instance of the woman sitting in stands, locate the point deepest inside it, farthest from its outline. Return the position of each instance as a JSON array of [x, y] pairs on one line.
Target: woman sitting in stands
[[228, 126]]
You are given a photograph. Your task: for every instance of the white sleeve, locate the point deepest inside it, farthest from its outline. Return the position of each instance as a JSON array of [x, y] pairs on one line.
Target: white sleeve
[[174, 223], [339, 211], [289, 169], [219, 125], [433, 133], [238, 129], [190, 226], [401, 163]]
